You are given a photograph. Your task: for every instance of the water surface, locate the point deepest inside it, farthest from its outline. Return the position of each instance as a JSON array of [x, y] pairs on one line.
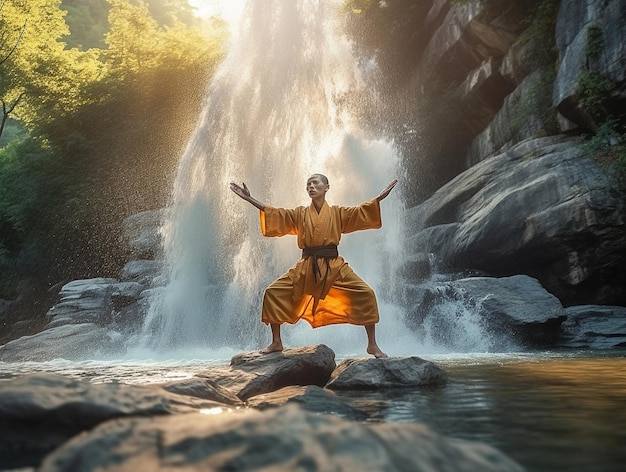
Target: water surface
[[548, 411]]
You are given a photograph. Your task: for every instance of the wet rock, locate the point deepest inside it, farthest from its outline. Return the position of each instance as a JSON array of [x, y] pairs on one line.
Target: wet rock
[[40, 412], [594, 326], [543, 209], [83, 301], [254, 373], [142, 271], [513, 309], [141, 232], [310, 398], [70, 342], [375, 374], [202, 388], [281, 439]]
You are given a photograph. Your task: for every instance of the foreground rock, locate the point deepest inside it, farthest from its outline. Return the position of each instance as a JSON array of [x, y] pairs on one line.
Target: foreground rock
[[360, 374], [594, 326], [254, 373], [40, 412], [507, 312], [282, 439], [71, 342], [310, 398]]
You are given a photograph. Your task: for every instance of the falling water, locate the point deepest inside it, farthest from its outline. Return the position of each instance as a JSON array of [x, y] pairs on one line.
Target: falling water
[[277, 110]]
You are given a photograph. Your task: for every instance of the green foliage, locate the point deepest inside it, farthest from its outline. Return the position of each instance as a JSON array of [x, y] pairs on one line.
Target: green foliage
[[594, 41], [539, 37], [608, 146], [88, 22], [594, 91], [104, 131]]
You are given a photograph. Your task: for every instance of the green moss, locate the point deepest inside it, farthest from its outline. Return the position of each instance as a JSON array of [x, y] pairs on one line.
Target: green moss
[[594, 90], [608, 146], [594, 41]]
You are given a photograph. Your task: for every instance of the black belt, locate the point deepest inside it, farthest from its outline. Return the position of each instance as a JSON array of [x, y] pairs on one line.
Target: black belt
[[325, 252]]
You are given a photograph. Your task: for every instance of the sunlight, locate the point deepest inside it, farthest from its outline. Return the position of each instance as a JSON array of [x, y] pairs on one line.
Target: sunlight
[[227, 10]]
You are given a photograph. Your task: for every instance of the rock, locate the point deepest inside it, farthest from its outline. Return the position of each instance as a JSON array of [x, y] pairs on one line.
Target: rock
[[375, 374], [543, 209], [84, 301], [280, 439], [202, 388], [520, 117], [40, 412], [71, 342], [254, 373], [141, 232], [574, 21], [594, 327], [310, 398], [508, 310], [142, 271]]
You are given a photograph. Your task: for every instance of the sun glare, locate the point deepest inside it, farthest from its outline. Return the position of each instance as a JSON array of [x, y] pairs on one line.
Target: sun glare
[[227, 10]]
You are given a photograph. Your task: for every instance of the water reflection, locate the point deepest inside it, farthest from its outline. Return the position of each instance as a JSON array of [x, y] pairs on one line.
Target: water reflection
[[549, 414]]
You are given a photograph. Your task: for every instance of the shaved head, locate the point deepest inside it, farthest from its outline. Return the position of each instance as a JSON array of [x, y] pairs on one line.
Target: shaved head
[[322, 177]]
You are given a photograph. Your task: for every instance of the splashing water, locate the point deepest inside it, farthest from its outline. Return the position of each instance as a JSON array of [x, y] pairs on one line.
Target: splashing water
[[277, 110]]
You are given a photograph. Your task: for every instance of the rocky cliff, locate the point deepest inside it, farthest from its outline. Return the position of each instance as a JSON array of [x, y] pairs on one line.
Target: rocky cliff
[[511, 106]]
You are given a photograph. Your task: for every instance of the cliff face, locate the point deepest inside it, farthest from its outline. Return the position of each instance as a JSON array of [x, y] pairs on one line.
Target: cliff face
[[502, 95]]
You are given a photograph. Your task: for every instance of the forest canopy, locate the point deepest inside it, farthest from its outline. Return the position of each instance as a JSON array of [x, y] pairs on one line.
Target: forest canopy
[[98, 100]]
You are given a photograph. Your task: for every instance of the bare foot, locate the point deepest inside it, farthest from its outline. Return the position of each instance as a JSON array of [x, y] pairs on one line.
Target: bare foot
[[274, 347], [376, 352]]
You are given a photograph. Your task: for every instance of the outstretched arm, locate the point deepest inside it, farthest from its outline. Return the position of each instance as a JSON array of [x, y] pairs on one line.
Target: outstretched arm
[[387, 190], [244, 193]]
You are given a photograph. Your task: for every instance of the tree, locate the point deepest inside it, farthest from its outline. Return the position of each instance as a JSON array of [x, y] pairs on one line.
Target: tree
[[41, 79]]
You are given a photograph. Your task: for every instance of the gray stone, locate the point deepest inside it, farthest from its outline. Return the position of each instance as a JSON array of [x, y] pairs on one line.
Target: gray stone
[[141, 231], [594, 327], [517, 308], [543, 209], [202, 388], [519, 118], [375, 374], [71, 342], [40, 412], [254, 373], [280, 439], [84, 301], [310, 398], [574, 19], [142, 271]]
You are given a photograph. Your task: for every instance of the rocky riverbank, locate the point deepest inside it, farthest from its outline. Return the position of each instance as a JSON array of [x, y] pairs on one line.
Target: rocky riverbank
[[274, 411]]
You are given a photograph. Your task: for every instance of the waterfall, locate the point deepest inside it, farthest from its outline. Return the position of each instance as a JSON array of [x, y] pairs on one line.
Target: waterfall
[[278, 109]]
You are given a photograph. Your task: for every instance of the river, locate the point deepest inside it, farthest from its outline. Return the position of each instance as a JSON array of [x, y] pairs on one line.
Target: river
[[550, 411]]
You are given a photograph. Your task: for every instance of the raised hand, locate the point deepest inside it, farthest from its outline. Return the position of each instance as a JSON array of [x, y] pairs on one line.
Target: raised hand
[[387, 190], [244, 192]]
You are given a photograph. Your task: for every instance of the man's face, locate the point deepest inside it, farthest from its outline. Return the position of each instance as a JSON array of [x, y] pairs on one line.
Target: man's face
[[315, 187]]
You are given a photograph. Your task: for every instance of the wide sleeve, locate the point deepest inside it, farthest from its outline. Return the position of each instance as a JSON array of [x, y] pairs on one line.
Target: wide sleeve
[[278, 221], [364, 216]]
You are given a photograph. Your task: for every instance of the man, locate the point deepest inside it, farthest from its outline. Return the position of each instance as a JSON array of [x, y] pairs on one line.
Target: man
[[321, 288]]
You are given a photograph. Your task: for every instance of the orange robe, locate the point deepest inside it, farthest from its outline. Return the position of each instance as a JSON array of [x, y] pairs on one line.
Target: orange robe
[[340, 296]]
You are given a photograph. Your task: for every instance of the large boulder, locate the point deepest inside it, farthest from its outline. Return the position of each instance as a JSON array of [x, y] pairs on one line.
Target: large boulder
[[376, 374], [281, 439], [594, 327], [253, 373], [70, 342], [508, 313], [40, 412], [84, 301], [541, 208]]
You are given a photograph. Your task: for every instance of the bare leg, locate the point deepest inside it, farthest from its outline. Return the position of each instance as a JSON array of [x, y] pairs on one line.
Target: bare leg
[[277, 342], [372, 347]]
